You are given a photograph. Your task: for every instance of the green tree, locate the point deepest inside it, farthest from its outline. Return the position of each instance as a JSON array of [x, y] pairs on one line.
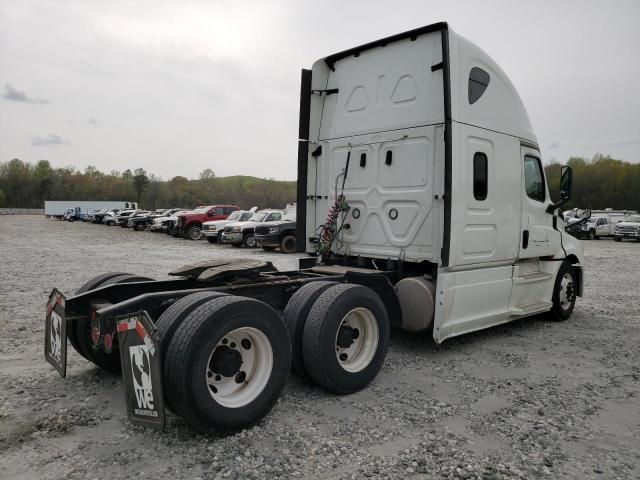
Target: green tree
[[140, 181], [207, 174]]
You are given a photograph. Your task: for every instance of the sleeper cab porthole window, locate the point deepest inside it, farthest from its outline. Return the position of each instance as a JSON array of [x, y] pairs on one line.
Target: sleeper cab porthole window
[[478, 83]]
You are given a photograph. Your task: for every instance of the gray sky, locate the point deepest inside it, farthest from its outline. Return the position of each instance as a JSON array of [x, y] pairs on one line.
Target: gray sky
[[179, 86]]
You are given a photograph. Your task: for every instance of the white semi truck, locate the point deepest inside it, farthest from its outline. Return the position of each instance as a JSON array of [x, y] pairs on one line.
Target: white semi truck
[[80, 209], [422, 204]]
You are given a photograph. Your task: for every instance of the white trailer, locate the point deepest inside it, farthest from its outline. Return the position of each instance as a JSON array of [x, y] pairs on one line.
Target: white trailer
[[81, 208]]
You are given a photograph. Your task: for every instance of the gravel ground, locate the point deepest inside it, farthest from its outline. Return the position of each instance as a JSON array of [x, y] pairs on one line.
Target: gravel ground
[[532, 399]]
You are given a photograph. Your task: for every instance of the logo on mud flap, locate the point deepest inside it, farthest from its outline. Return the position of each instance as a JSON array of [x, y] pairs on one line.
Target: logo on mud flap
[[56, 341], [141, 377]]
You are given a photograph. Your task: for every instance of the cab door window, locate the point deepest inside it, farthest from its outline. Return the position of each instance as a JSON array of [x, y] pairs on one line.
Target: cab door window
[[534, 178]]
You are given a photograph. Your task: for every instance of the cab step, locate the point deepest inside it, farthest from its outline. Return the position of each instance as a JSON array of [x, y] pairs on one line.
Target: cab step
[[532, 277], [530, 308]]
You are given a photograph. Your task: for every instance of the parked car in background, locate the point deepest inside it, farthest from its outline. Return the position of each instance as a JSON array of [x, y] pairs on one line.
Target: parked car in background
[[242, 233], [142, 222], [160, 224], [189, 224], [98, 216], [111, 218], [573, 223], [114, 219], [124, 220], [138, 221], [279, 234], [213, 229], [600, 225], [628, 228]]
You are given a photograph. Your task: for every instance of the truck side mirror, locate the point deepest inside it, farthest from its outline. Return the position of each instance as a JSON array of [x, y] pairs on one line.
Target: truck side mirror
[[566, 180]]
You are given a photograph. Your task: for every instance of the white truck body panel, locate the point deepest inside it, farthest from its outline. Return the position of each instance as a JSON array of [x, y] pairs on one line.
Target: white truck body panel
[[447, 113], [387, 103]]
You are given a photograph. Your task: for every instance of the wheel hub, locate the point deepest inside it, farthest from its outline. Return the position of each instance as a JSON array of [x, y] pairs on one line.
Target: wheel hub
[[226, 361], [567, 291], [356, 339], [346, 336], [239, 367]]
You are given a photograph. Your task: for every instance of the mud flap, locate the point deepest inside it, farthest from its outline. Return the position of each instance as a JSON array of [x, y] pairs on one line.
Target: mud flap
[[55, 333], [141, 369]]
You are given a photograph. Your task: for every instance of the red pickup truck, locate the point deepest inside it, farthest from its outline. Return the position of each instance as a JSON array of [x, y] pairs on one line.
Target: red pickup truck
[[190, 224]]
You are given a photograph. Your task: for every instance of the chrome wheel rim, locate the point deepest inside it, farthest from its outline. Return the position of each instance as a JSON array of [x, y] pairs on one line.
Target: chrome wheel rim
[[239, 367], [567, 293], [196, 233], [357, 340], [251, 241]]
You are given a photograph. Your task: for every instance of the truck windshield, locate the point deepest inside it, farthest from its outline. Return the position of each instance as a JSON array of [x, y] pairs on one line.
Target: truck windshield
[[258, 217], [235, 215]]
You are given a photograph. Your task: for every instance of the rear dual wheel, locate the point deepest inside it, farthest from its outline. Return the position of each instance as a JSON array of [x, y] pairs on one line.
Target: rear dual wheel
[[226, 363], [80, 335], [345, 335]]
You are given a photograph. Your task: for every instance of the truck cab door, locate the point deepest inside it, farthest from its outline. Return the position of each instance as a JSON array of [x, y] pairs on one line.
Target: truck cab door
[[538, 238], [602, 228]]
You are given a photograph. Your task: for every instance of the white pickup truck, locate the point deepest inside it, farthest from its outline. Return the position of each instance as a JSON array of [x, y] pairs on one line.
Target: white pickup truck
[[242, 233], [601, 225], [213, 229], [628, 228]]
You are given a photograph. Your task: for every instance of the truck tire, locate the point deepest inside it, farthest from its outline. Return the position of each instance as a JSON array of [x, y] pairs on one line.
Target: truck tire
[[219, 237], [288, 244], [227, 364], [139, 227], [249, 240], [295, 316], [592, 235], [95, 282], [106, 361], [111, 223], [194, 232], [564, 293], [346, 337], [173, 316]]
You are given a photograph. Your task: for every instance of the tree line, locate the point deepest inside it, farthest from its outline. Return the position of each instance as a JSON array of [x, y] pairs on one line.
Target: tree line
[[26, 185], [599, 182]]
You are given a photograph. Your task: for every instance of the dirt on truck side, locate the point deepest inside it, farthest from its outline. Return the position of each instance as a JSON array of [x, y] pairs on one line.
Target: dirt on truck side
[[530, 399]]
